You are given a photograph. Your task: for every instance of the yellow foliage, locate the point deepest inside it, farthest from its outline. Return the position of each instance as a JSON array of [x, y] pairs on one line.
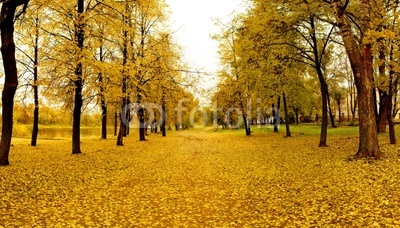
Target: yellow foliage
[[197, 178]]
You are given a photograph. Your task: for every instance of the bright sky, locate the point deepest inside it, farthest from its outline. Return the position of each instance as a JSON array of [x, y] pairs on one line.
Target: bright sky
[[192, 20]]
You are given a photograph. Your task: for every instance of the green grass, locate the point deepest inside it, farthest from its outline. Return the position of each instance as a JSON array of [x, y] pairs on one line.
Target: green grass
[[315, 130], [201, 178]]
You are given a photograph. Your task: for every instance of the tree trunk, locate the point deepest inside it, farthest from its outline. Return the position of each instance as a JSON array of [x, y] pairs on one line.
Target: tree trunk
[[124, 83], [383, 95], [361, 63], [76, 126], [115, 122], [392, 133], [323, 88], [353, 105], [155, 127], [245, 121], [273, 114], [103, 119], [78, 82], [353, 99], [127, 117], [352, 102], [395, 95], [35, 127], [340, 111], [122, 130], [382, 119], [375, 98], [245, 124], [163, 115], [288, 134], [248, 117], [142, 128], [163, 130], [324, 123], [103, 109], [296, 113], [11, 76], [122, 116], [141, 117], [393, 84], [244, 115], [277, 115], [102, 99], [331, 115]]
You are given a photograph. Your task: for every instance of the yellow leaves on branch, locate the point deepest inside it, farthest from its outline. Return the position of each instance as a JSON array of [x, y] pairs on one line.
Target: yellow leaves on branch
[[199, 178]]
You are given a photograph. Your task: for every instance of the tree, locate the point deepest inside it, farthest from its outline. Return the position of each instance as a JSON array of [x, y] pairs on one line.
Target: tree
[[360, 55], [125, 72], [142, 21], [30, 37], [337, 95], [236, 74], [351, 98], [336, 76], [149, 15], [287, 120], [303, 99], [35, 128], [78, 82], [297, 26], [166, 67], [7, 17], [386, 35], [108, 44], [102, 97], [71, 62]]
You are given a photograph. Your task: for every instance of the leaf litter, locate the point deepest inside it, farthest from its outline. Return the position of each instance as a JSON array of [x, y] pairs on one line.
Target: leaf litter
[[197, 179]]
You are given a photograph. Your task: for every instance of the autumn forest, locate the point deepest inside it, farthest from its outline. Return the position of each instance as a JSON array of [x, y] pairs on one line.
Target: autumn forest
[[105, 124]]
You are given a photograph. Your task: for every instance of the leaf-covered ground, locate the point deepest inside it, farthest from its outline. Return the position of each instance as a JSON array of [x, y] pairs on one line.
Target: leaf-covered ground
[[200, 178]]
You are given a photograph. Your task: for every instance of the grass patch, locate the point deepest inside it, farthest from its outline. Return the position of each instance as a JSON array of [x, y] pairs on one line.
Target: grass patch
[[201, 178]]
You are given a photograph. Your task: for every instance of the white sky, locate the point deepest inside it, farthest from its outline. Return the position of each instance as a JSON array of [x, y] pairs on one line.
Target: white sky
[[191, 20]]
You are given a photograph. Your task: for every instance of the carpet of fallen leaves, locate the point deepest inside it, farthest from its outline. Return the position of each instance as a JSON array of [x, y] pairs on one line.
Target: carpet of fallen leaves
[[200, 179]]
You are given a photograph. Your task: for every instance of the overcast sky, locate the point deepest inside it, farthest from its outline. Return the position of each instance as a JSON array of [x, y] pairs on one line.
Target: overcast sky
[[192, 21]]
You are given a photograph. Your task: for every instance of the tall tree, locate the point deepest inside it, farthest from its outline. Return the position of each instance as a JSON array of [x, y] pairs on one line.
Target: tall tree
[[35, 128], [287, 119], [7, 17], [30, 37], [297, 26], [235, 71], [78, 82], [385, 19], [106, 34], [360, 55], [166, 68], [69, 65], [125, 72], [149, 15], [103, 103]]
